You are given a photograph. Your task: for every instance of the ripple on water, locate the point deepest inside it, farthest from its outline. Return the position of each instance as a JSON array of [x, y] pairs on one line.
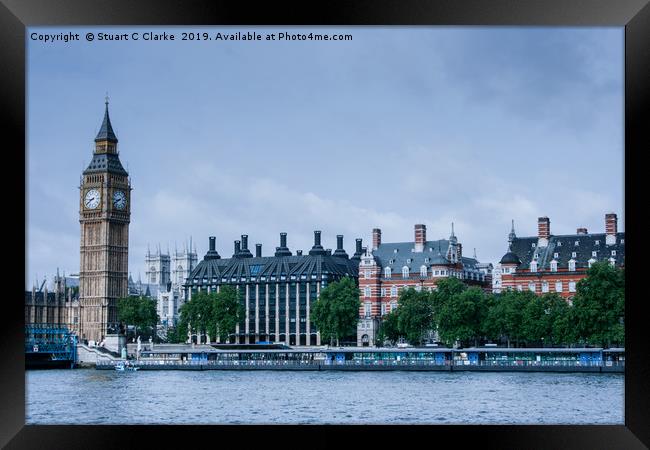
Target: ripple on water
[[89, 396]]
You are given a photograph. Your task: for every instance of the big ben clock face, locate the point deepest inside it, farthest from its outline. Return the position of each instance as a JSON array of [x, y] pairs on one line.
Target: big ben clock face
[[91, 199], [119, 200]]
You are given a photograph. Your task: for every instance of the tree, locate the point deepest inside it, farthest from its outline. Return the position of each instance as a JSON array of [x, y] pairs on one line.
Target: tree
[[460, 317], [599, 306], [415, 316], [138, 311], [227, 311], [445, 290], [388, 329], [336, 312], [505, 316], [197, 314]]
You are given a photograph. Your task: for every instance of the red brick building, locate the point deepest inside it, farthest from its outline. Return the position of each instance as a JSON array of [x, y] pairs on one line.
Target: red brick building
[[387, 268], [555, 263]]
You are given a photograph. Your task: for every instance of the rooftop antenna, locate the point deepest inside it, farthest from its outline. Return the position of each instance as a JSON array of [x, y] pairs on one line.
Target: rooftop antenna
[[474, 252]]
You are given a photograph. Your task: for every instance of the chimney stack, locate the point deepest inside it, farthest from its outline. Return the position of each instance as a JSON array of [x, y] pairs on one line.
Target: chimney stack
[[317, 249], [581, 231], [237, 249], [611, 228], [339, 247], [543, 231], [282, 250], [245, 252], [298, 252], [420, 237], [258, 250], [357, 252], [376, 238], [212, 252]]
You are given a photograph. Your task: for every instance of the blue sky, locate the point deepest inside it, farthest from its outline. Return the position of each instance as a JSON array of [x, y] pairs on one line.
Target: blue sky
[[402, 125]]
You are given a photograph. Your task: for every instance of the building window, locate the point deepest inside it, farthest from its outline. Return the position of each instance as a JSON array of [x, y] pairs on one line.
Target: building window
[[393, 291], [554, 266], [366, 291], [597, 242], [366, 309], [383, 292], [556, 255], [423, 271], [591, 261], [383, 309], [612, 262], [613, 252], [572, 286], [558, 286], [405, 272], [520, 287], [533, 266], [387, 272], [622, 241], [531, 286], [366, 274], [572, 265], [574, 254], [576, 243], [393, 306], [559, 244], [532, 245], [544, 286], [418, 288], [594, 253]]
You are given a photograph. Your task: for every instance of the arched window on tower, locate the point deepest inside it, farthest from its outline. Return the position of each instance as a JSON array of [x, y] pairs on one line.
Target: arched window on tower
[[405, 272]]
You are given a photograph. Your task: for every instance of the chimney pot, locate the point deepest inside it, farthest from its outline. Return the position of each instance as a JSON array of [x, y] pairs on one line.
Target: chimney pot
[[258, 250], [283, 239], [212, 243], [244, 241], [339, 242], [358, 242], [316, 238], [581, 230], [299, 252]]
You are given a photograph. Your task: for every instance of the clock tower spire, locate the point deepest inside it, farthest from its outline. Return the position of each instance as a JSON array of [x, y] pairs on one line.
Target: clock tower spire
[[104, 216]]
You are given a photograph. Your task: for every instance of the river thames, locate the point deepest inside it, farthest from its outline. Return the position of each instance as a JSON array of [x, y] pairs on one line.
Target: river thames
[[89, 396]]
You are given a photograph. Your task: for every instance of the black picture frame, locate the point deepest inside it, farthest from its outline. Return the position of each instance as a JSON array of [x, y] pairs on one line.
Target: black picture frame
[[634, 15]]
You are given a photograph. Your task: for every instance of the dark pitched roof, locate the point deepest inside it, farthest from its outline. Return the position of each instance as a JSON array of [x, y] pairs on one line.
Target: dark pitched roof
[[105, 162], [106, 131], [285, 268], [564, 246], [434, 253]]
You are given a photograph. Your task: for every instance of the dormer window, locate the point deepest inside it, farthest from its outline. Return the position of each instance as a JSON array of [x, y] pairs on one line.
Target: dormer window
[[576, 243], [622, 241], [405, 272], [366, 291], [556, 255], [409, 260], [572, 265], [573, 254], [533, 266], [559, 243], [554, 266], [612, 262], [613, 252], [426, 260], [597, 242], [393, 291], [423, 271], [387, 272], [594, 254], [532, 245], [391, 261], [591, 261], [395, 251]]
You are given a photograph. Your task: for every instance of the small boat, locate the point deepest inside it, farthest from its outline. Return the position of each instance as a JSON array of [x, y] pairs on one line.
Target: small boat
[[124, 366]]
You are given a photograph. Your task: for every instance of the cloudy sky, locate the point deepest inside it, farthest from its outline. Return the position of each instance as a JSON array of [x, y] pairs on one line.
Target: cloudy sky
[[401, 125]]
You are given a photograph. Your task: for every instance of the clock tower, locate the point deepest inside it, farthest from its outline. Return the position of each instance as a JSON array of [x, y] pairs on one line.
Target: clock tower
[[104, 215]]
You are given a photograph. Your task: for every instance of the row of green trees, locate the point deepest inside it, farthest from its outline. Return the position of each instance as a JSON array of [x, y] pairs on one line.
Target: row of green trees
[[467, 315], [139, 312]]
